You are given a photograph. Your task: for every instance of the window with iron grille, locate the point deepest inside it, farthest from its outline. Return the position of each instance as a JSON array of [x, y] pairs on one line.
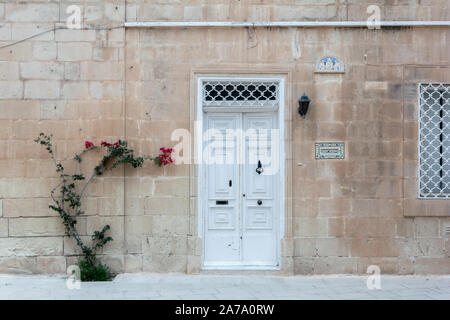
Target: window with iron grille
[[434, 140]]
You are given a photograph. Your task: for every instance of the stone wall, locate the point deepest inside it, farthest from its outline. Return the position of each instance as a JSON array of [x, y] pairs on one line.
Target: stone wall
[[347, 214], [69, 83]]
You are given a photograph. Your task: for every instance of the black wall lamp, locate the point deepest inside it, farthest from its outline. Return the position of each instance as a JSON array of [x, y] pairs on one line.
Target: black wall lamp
[[303, 105]]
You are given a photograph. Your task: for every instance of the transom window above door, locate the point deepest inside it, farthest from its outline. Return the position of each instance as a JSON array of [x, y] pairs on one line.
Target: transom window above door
[[434, 140], [240, 92]]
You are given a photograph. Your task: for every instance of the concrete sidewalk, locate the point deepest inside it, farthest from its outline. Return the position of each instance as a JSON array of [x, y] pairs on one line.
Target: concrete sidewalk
[[203, 287]]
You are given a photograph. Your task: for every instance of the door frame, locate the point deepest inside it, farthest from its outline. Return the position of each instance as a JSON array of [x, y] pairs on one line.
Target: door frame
[[198, 149]]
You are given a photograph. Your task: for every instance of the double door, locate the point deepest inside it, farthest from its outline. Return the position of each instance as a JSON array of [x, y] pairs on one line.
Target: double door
[[240, 190]]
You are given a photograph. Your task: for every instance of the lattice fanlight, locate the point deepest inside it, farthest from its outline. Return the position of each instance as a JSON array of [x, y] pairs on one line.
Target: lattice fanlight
[[240, 93]]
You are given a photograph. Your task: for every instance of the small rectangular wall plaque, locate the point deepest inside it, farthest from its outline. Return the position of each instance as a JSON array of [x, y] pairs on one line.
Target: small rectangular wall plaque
[[330, 150]]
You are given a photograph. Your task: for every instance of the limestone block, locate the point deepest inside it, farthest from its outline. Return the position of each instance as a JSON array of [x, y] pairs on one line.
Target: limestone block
[[133, 263], [53, 109], [3, 226], [170, 225], [42, 89], [303, 265], [19, 52], [44, 50], [334, 207], [406, 266], [369, 227], [29, 12], [5, 32], [75, 90], [41, 70], [386, 265], [74, 51], [139, 225], [374, 247], [335, 265], [336, 227], [332, 247], [426, 227], [51, 265], [193, 13], [71, 71], [101, 70], [166, 205], [405, 227], [93, 13], [194, 246], [11, 89], [178, 187], [432, 266], [310, 227], [304, 247], [27, 207], [430, 247], [19, 265], [162, 245], [24, 30], [116, 263], [133, 243], [114, 12], [158, 12], [134, 206], [73, 35], [164, 263], [33, 227], [96, 89], [194, 264], [35, 246], [9, 70]]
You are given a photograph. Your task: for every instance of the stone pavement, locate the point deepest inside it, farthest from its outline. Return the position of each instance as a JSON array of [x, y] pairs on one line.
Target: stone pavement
[[202, 287]]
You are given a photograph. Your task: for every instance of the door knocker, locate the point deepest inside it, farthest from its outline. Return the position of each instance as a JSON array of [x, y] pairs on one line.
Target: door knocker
[[260, 169]]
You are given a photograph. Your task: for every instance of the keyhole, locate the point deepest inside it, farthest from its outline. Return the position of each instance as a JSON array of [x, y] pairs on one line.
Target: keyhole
[[259, 169]]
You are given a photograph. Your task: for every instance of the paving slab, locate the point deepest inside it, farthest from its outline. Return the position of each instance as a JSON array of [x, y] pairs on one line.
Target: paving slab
[[235, 287]]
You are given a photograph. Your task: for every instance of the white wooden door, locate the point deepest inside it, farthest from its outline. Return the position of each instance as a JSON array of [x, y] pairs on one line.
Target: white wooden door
[[259, 199], [241, 216]]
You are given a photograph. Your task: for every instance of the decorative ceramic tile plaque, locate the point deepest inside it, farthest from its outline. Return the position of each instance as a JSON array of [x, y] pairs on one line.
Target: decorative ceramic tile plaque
[[330, 150], [330, 65]]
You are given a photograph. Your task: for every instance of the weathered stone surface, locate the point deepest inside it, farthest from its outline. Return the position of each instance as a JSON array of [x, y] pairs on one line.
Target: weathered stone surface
[[3, 227], [16, 264], [41, 89], [51, 265], [39, 246], [44, 51], [26, 227]]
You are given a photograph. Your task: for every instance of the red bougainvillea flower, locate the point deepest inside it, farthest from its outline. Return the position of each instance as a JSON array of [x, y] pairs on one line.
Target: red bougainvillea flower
[[164, 158], [88, 144], [105, 144], [116, 144]]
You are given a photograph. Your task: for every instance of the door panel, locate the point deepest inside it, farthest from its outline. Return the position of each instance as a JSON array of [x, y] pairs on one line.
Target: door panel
[[241, 206], [222, 239], [259, 237]]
